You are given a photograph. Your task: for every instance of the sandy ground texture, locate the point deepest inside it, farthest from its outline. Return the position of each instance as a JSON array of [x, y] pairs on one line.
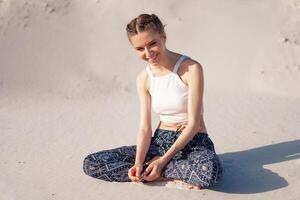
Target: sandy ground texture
[[67, 89]]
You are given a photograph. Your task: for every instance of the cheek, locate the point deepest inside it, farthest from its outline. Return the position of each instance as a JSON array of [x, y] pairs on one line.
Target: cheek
[[157, 48], [141, 55]]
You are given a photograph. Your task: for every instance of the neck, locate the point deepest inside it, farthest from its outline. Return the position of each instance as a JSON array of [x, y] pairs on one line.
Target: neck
[[166, 61]]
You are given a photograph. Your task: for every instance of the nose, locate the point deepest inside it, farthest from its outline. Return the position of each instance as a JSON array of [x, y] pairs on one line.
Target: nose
[[147, 52]]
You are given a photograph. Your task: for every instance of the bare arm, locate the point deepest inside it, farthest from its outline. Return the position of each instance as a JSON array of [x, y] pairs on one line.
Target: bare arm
[[145, 130], [195, 96]]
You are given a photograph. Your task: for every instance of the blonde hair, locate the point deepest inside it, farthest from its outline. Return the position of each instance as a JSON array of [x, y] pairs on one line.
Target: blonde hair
[[144, 22]]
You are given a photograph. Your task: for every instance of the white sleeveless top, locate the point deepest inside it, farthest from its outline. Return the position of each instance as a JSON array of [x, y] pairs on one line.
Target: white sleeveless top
[[169, 95]]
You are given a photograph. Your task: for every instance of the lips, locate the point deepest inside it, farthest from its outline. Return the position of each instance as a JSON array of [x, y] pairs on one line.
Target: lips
[[153, 59]]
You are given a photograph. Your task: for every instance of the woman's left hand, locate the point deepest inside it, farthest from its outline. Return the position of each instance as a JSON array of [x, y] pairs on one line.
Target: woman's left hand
[[153, 171]]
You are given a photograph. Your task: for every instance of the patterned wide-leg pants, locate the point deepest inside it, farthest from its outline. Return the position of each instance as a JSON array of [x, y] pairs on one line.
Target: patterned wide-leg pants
[[197, 163]]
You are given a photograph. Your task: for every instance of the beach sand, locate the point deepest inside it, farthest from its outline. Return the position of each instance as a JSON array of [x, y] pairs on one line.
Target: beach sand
[[67, 89]]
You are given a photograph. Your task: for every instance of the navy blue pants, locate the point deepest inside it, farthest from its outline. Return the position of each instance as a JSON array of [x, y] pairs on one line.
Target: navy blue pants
[[197, 163]]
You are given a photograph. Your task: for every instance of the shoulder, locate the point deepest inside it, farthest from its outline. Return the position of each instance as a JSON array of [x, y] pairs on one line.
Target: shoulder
[[142, 79], [190, 64], [190, 69]]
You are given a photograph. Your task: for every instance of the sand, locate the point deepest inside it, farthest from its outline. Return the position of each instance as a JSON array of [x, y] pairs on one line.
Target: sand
[[67, 89]]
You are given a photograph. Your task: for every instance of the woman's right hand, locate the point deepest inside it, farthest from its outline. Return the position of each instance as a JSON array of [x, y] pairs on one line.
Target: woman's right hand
[[135, 172]]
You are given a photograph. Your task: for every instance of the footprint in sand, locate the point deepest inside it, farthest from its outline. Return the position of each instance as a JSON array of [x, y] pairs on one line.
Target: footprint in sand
[[58, 7], [296, 3]]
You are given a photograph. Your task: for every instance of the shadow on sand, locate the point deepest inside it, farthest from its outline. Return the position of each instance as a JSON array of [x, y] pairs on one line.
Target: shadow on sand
[[244, 171]]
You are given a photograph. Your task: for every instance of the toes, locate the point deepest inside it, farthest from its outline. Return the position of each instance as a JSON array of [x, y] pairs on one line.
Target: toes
[[186, 185], [196, 187]]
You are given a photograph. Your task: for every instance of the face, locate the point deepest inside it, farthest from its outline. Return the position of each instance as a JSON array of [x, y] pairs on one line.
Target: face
[[149, 45]]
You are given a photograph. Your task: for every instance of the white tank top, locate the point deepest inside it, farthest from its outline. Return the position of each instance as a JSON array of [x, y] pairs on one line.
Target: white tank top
[[169, 95]]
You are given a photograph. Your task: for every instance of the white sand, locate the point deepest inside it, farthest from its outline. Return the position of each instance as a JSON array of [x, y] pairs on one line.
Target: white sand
[[67, 89]]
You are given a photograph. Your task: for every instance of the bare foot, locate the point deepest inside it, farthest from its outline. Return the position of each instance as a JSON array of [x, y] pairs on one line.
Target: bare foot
[[179, 182], [189, 186]]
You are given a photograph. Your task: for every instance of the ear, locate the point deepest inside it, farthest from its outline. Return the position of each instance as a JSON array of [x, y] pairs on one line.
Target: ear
[[164, 36]]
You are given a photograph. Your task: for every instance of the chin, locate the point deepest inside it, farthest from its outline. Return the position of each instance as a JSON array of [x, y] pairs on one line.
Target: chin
[[154, 62]]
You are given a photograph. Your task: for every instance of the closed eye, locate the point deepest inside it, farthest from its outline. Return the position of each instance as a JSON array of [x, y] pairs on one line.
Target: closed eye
[[152, 43]]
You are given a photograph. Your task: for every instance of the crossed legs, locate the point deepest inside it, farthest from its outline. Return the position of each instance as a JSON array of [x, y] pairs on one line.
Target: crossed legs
[[199, 169]]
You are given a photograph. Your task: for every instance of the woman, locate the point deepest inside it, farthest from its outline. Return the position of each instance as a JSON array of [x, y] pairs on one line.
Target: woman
[[180, 149]]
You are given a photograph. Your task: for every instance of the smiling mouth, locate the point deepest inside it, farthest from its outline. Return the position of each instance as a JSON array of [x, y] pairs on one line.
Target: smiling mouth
[[153, 59]]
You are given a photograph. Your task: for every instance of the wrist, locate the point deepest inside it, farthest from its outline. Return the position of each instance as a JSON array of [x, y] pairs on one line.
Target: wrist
[[138, 164], [164, 160]]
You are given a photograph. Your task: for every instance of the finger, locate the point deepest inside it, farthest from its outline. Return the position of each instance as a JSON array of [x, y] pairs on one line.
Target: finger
[[134, 178], [130, 176], [153, 173], [149, 178], [138, 172], [131, 172], [148, 169]]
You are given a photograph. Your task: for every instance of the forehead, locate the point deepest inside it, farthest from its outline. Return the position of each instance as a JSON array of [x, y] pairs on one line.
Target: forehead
[[143, 38]]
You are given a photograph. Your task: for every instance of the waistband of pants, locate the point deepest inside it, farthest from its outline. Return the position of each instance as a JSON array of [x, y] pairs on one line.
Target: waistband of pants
[[173, 135], [173, 127], [164, 139]]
